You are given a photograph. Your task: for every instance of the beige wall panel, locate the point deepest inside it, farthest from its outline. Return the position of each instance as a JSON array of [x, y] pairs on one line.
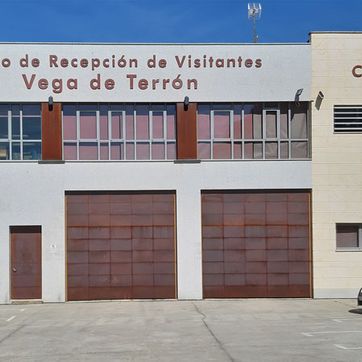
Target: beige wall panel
[[336, 165]]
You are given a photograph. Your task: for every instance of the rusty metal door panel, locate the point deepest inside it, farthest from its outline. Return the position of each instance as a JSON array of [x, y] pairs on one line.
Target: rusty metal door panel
[[25, 266], [121, 245], [256, 244]]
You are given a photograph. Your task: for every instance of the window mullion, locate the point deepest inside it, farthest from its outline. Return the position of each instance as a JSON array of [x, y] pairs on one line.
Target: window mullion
[[10, 134], [263, 133], [124, 133], [98, 133], [78, 132], [278, 131], [109, 124], [231, 125], [309, 133], [63, 138], [289, 131], [212, 133], [21, 133], [242, 132], [150, 129], [135, 131], [165, 135]]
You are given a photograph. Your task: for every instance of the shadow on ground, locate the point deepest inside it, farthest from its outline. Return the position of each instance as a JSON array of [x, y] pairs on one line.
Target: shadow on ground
[[356, 311]]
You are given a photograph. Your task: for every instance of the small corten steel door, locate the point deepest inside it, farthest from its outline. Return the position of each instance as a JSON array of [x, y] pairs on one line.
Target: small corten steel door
[[121, 245], [256, 244], [25, 266]]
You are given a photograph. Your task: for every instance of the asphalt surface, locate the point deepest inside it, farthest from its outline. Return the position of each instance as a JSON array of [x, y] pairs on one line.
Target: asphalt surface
[[209, 330]]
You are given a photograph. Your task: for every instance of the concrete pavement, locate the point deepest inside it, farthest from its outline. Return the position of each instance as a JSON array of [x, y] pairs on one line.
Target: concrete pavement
[[209, 330]]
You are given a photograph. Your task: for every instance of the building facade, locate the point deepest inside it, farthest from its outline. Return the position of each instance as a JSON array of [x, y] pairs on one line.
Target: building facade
[[337, 160], [168, 171]]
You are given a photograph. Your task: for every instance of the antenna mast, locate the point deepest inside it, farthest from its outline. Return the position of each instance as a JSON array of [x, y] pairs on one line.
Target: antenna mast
[[254, 13]]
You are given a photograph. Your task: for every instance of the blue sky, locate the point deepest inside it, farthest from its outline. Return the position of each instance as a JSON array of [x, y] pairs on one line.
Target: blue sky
[[180, 21]]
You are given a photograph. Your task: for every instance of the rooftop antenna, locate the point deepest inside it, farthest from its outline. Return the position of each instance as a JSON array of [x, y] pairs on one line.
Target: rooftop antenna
[[254, 13]]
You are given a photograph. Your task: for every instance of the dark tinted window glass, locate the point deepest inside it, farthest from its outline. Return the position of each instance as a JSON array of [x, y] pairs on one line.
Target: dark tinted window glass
[[3, 127], [15, 149], [4, 151], [31, 110], [31, 151], [31, 128], [4, 108], [15, 110], [15, 127], [347, 236]]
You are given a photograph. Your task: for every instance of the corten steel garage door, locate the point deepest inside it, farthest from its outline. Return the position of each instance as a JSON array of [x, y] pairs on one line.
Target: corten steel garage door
[[256, 244], [120, 246]]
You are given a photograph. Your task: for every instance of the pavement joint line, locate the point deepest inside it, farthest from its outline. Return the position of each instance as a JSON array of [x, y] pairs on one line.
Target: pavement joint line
[[346, 348], [310, 334], [11, 318], [220, 344], [342, 302], [12, 333]]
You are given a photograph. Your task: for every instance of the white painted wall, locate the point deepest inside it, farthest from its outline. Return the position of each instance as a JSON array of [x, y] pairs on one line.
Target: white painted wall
[[33, 194]]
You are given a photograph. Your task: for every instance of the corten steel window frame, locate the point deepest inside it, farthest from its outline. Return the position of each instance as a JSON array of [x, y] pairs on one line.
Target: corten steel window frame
[[266, 107], [121, 109], [21, 141], [359, 237]]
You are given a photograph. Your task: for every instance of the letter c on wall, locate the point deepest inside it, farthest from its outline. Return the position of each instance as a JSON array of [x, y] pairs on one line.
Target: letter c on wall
[[355, 69]]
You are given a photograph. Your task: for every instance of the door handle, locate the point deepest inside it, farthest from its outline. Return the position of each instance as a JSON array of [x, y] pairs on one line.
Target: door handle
[[14, 269]]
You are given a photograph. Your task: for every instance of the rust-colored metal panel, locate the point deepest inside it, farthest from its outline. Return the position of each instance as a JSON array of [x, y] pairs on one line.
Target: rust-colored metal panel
[[25, 266], [51, 132], [186, 131], [121, 246], [256, 244]]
